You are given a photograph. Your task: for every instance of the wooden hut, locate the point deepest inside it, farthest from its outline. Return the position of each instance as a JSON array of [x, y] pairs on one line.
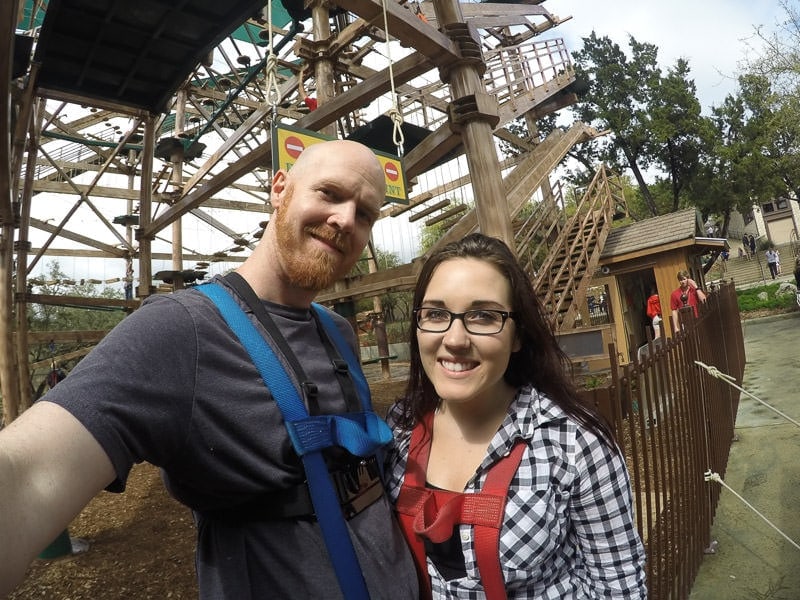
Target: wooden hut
[[647, 256]]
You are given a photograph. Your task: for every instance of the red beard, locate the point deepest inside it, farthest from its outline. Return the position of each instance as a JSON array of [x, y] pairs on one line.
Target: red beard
[[310, 269]]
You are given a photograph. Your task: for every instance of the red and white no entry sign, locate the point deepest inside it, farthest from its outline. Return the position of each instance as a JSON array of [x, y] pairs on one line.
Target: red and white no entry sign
[[294, 146]]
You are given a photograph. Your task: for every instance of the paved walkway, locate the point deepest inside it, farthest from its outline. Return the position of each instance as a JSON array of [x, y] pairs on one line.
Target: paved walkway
[[753, 561]]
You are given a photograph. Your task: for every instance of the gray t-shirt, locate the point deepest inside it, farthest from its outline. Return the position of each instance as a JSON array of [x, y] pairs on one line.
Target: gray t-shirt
[[171, 385]]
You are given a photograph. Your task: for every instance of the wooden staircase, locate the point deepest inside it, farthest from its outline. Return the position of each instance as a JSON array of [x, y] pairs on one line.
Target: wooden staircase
[[562, 253], [745, 272]]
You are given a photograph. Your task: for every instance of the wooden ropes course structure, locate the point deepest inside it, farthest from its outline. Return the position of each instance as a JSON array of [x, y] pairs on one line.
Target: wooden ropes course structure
[[150, 119]]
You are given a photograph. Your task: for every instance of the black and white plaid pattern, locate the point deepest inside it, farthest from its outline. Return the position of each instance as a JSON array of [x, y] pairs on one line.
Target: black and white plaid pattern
[[569, 528]]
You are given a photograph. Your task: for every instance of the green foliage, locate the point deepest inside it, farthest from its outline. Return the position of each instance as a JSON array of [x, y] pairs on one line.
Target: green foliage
[[594, 381], [394, 305], [429, 235], [620, 90], [749, 301], [46, 317], [746, 150]]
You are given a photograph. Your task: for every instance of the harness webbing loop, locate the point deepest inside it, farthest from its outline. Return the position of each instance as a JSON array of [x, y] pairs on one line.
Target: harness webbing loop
[[432, 514], [310, 435]]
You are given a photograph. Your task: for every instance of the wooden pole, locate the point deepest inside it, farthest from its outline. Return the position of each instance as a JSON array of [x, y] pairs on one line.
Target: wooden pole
[[378, 322], [177, 184], [473, 113], [22, 341], [9, 385], [323, 65], [146, 210]]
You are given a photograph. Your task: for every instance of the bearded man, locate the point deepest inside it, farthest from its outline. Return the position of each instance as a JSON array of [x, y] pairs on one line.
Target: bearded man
[[173, 385]]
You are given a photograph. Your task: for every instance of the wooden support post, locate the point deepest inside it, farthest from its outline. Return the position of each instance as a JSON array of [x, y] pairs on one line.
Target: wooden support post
[[22, 249], [177, 184], [473, 113], [378, 322], [145, 210]]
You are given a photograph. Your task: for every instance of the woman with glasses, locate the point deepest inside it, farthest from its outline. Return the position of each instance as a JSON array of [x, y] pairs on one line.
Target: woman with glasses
[[506, 485]]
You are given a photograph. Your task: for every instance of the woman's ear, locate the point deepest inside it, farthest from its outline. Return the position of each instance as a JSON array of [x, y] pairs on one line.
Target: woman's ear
[[517, 345]]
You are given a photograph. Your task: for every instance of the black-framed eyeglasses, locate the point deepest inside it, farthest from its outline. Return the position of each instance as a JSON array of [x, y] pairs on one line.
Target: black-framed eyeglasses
[[481, 321]]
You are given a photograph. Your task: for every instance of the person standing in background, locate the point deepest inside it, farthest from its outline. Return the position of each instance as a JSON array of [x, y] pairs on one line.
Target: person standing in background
[[687, 294], [310, 102], [772, 262], [654, 312]]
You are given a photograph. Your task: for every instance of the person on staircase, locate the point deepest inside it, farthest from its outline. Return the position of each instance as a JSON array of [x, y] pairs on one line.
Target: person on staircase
[[491, 424], [772, 262], [177, 384], [310, 102]]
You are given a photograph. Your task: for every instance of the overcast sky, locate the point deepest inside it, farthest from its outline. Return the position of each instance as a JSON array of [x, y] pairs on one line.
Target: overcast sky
[[712, 34]]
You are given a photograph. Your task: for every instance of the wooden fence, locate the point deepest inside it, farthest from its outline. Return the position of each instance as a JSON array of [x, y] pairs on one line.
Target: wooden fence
[[675, 423]]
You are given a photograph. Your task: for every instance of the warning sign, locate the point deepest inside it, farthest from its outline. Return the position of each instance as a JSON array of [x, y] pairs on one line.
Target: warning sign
[[395, 180], [288, 142], [294, 146]]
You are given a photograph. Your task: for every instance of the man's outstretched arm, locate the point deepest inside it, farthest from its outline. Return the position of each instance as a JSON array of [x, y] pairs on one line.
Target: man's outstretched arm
[[50, 467]]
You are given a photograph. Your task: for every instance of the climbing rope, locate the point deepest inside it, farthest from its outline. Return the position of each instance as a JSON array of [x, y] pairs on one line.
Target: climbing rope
[[394, 112], [711, 476], [273, 93], [714, 372]]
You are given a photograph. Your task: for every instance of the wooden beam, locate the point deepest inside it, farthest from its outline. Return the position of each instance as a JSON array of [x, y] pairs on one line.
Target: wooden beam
[[91, 336], [398, 278], [82, 301], [407, 27], [446, 215], [429, 210], [107, 249]]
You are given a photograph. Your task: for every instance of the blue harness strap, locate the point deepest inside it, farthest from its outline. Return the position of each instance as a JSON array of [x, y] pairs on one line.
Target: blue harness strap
[[362, 434]]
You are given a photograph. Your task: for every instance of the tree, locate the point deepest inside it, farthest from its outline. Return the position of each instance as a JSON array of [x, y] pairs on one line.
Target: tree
[[785, 151], [47, 317], [777, 58], [618, 99], [655, 121], [735, 168], [678, 129]]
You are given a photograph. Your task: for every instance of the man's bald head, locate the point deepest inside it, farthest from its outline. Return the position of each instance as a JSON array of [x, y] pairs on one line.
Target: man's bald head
[[346, 154]]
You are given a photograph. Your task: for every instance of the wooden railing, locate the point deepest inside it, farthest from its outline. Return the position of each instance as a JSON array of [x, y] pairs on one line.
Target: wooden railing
[[570, 260], [675, 423]]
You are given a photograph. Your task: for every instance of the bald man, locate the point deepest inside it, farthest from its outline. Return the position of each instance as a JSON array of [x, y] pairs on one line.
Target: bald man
[[173, 386]]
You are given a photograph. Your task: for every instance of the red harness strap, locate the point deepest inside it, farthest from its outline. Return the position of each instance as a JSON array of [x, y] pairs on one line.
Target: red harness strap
[[432, 514]]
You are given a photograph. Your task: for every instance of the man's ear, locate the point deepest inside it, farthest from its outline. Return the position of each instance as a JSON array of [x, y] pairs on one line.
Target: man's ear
[[278, 189]]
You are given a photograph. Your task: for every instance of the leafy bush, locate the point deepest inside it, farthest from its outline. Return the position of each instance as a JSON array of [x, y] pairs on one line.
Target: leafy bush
[[749, 301]]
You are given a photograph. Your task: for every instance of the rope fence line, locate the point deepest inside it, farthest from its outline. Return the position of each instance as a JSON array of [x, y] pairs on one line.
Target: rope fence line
[[709, 476], [714, 372], [712, 476]]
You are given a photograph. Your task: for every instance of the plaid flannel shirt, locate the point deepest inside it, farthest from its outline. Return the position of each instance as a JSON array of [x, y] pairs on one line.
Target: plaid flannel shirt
[[569, 530]]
